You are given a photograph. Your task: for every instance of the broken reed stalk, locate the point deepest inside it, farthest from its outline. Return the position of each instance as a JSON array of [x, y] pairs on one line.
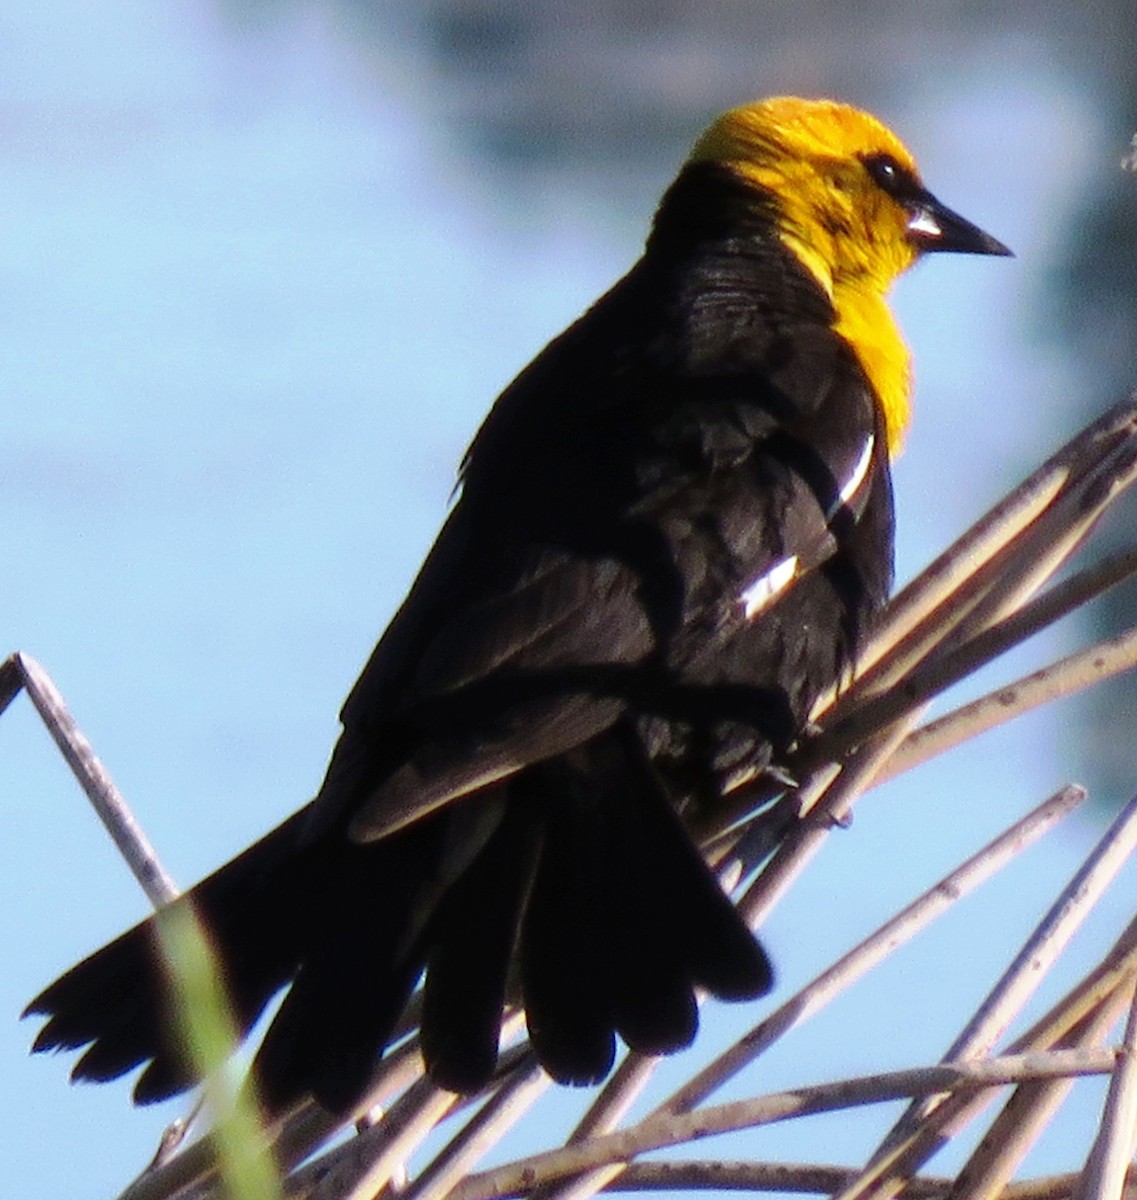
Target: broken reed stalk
[[21, 671]]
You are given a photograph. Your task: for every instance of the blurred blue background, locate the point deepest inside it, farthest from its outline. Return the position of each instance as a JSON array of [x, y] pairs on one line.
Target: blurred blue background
[[263, 266]]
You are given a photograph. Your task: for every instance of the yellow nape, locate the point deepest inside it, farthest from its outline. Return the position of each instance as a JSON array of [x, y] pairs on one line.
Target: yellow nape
[[844, 229]]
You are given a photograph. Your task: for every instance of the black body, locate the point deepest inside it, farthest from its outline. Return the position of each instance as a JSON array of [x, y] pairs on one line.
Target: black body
[[574, 665]]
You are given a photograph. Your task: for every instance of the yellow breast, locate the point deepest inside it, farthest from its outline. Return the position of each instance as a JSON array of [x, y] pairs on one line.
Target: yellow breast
[[866, 322]]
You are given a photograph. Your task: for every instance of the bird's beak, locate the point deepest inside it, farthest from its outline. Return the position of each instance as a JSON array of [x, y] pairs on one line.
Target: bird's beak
[[933, 226]]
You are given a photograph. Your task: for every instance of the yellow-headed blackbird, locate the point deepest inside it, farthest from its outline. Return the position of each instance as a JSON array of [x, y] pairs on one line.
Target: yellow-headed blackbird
[[672, 529]]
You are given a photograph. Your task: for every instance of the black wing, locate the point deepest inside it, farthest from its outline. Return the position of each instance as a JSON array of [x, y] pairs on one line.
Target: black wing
[[632, 511]]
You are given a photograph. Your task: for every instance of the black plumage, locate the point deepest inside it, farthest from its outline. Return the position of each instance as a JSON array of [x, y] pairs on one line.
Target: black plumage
[[673, 528]]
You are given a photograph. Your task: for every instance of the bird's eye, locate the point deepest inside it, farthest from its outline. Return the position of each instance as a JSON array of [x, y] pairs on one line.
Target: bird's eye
[[889, 175], [884, 170]]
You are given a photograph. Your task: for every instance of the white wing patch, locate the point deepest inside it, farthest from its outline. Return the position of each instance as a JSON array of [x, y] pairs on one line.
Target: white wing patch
[[761, 592], [757, 595], [856, 478]]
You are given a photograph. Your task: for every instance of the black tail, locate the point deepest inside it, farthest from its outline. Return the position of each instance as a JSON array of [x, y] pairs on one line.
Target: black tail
[[118, 998], [647, 924], [339, 922], [583, 879], [593, 888]]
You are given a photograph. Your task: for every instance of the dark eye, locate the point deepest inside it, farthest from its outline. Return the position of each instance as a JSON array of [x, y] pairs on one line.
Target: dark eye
[[890, 176]]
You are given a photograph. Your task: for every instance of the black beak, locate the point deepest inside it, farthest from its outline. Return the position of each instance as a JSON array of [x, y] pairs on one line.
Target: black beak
[[933, 226]]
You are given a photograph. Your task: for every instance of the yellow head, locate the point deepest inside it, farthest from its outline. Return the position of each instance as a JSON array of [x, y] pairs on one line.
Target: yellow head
[[850, 205]]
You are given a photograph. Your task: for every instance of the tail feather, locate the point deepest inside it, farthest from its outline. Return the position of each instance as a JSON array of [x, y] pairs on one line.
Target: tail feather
[[472, 944], [162, 1078], [646, 882], [117, 999], [718, 950], [335, 1020], [652, 987], [103, 1060], [360, 962], [563, 947], [114, 987]]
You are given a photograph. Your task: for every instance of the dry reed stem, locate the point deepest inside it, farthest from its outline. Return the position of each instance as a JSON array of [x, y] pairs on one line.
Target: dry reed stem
[[1054, 536], [953, 1115], [22, 671], [1112, 1152], [1049, 939], [1106, 985], [345, 1158], [944, 584], [602, 1116], [944, 670], [1113, 974], [581, 1186], [884, 1177], [364, 1166], [900, 929], [721, 1175], [1026, 1114], [495, 1118], [1060, 679], [819, 1178], [192, 1173], [662, 1130], [827, 807], [1061, 1187], [615, 1098], [965, 557]]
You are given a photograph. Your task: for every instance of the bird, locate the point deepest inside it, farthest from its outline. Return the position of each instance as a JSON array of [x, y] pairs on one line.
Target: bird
[[671, 532]]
